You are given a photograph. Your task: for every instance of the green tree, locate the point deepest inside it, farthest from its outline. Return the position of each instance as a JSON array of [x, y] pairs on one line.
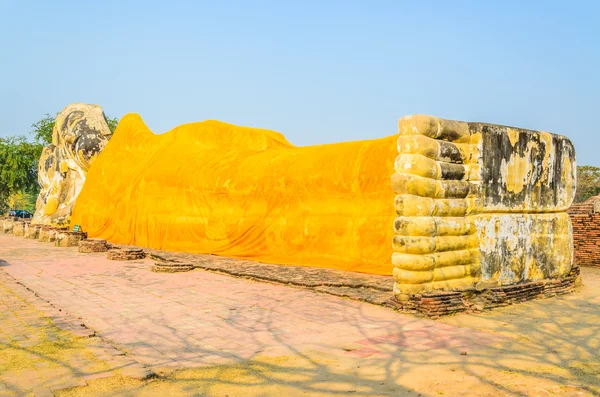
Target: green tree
[[22, 200], [19, 159], [112, 123], [42, 130], [588, 182]]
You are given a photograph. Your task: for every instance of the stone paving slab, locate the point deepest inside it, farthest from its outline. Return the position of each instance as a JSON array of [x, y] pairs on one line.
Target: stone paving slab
[[200, 318], [44, 349]]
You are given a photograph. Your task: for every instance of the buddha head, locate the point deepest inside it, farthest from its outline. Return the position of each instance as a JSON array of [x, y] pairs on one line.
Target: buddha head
[[80, 133]]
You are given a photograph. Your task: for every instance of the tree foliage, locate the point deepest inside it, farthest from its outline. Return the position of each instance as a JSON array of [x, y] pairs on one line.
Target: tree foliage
[[22, 200], [42, 130], [112, 124], [588, 182], [19, 159]]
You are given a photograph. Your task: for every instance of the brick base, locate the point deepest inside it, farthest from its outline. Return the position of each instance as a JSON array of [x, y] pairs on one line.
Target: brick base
[[171, 267], [69, 239], [125, 254], [32, 231], [19, 228], [48, 234], [93, 245], [438, 304]]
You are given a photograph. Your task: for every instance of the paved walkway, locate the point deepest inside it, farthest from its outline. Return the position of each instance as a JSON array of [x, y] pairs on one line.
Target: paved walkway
[[198, 319], [43, 349]]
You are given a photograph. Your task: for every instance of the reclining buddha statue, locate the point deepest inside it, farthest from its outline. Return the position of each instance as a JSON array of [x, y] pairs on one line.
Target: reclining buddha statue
[[441, 205]]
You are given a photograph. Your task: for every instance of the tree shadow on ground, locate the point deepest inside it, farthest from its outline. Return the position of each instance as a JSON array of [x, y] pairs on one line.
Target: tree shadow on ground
[[537, 348], [540, 347]]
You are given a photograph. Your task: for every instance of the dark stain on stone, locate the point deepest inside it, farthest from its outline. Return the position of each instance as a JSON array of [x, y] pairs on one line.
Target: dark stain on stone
[[498, 151], [450, 131], [449, 152], [74, 114], [452, 171], [88, 140]]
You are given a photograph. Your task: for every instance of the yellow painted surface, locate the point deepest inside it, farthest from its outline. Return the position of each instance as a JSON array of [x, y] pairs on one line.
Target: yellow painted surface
[[50, 206], [513, 136], [212, 187]]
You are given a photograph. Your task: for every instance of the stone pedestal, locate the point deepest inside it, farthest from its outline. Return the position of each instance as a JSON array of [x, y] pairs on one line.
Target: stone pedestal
[[44, 234], [48, 234], [7, 225], [69, 239], [19, 228], [93, 245], [125, 254], [32, 231]]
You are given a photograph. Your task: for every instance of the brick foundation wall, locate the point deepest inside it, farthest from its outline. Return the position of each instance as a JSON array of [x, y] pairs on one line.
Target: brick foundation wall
[[586, 238], [437, 304]]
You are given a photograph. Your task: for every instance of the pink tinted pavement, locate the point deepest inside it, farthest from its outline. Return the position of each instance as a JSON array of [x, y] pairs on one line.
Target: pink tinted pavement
[[200, 318]]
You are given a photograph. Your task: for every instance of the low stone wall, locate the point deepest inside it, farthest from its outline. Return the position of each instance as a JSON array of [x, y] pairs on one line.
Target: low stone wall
[[438, 304], [586, 238]]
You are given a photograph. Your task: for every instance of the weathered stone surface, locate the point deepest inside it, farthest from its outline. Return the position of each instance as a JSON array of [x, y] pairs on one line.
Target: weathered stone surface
[[524, 247], [79, 135], [171, 267], [125, 254], [44, 234], [19, 228], [525, 170], [48, 233], [32, 231], [66, 238], [7, 225], [93, 245], [480, 204]]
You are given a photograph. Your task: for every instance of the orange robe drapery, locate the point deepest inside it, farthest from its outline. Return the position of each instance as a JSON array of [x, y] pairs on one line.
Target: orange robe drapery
[[212, 187]]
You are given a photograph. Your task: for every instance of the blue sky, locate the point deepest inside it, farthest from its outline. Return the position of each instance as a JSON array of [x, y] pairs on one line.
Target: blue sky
[[317, 71]]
